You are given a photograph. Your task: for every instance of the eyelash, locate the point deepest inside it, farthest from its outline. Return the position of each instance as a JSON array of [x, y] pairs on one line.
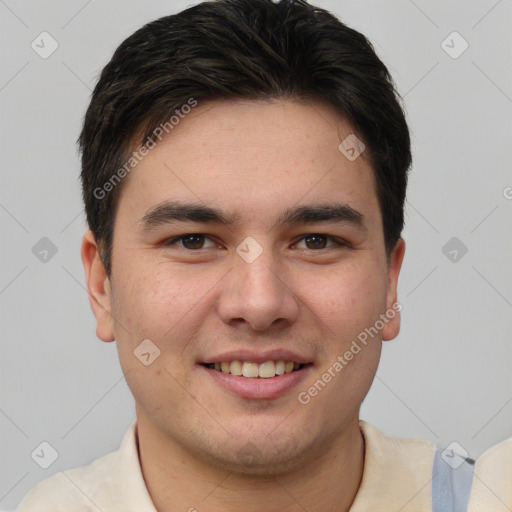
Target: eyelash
[[337, 241]]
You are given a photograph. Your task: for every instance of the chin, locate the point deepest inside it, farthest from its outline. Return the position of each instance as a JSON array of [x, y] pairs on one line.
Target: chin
[[264, 456], [251, 461]]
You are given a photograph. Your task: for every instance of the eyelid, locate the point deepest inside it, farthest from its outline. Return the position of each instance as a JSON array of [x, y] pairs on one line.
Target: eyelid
[[337, 241], [173, 241]]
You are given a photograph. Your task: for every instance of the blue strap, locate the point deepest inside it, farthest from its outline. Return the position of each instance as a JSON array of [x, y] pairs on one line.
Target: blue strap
[[451, 482]]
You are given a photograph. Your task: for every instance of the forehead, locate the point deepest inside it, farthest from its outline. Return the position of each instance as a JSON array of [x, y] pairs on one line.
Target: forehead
[[253, 156]]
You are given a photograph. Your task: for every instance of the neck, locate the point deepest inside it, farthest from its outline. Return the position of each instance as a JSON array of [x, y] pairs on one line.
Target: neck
[[178, 481]]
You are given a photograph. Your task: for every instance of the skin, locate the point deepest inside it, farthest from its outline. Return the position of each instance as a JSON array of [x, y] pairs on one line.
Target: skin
[[256, 159]]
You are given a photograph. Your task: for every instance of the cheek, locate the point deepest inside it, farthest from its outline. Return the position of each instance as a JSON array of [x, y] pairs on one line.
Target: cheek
[[348, 305], [349, 299], [153, 298], [165, 303], [154, 302]]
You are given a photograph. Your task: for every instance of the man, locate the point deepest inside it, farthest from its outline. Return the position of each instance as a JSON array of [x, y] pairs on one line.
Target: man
[[244, 169]]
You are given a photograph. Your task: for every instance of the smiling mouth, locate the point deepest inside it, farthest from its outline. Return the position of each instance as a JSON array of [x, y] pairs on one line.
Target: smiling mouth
[[253, 370]]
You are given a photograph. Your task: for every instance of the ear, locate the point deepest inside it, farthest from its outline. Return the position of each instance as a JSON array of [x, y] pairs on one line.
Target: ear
[[392, 326], [98, 286]]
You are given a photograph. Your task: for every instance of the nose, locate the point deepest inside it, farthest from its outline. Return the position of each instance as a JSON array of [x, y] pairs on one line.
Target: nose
[[258, 294]]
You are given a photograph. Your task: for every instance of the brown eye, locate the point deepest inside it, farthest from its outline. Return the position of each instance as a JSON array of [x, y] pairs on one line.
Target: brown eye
[[316, 241], [190, 241], [193, 241]]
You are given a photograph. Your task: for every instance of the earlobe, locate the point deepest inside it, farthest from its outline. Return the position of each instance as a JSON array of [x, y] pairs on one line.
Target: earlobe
[[392, 326], [98, 287]]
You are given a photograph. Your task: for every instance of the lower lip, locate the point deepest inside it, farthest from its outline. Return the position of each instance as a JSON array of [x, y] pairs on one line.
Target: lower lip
[[258, 388]]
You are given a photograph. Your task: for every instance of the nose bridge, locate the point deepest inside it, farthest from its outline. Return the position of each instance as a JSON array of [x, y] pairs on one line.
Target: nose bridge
[[257, 270], [262, 273], [256, 292]]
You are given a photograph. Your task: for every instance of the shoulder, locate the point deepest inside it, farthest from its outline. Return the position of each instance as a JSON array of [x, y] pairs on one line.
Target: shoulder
[[86, 488], [492, 488], [399, 458], [80, 489], [406, 451], [397, 473]]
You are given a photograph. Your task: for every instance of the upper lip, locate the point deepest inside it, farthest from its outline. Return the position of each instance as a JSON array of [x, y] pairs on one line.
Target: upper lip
[[257, 357]]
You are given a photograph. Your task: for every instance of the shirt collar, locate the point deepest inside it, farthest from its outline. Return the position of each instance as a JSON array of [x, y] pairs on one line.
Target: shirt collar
[[129, 487], [396, 473]]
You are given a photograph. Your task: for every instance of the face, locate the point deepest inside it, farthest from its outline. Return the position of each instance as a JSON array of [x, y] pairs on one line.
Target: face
[[261, 279]]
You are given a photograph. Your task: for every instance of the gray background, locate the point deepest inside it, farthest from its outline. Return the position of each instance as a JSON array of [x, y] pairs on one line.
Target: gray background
[[448, 375]]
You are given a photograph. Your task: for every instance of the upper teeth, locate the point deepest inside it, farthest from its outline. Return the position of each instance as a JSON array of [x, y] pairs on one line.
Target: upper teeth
[[264, 370]]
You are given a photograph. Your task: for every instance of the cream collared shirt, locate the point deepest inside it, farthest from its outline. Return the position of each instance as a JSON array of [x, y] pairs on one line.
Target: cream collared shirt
[[397, 477]]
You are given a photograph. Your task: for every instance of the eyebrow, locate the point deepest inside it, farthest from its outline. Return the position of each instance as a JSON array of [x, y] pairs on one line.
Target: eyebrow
[[176, 211]]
